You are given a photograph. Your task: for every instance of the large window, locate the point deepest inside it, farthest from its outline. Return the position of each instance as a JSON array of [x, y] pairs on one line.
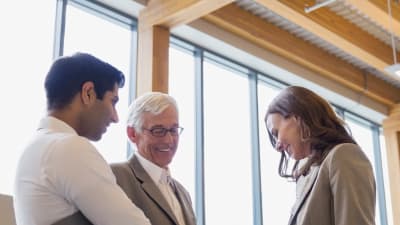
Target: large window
[[227, 146], [368, 139], [26, 43], [181, 73], [85, 31], [278, 194]]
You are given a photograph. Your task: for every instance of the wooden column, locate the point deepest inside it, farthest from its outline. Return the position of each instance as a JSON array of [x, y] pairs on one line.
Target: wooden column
[[391, 130], [155, 22], [152, 67]]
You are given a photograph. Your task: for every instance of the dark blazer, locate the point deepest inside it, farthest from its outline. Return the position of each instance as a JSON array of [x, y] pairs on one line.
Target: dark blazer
[[141, 189]]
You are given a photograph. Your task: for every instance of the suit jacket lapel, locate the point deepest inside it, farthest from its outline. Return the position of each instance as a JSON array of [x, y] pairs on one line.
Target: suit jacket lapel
[[150, 187], [309, 181], [185, 204]]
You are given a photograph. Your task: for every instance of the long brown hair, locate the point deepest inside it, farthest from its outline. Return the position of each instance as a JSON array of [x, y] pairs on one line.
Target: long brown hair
[[319, 125]]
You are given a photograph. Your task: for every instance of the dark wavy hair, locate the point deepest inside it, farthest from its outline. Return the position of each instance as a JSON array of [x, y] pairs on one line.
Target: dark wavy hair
[[319, 125], [68, 73]]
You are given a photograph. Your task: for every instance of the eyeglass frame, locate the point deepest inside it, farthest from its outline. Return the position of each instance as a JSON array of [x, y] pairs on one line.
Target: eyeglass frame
[[165, 131]]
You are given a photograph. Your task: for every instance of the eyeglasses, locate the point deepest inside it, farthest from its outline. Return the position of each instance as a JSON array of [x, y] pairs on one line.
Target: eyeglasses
[[162, 131]]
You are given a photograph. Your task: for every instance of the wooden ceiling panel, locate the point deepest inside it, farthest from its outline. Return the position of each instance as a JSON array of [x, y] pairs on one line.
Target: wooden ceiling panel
[[172, 13], [377, 12], [353, 41], [335, 30], [250, 27], [381, 4]]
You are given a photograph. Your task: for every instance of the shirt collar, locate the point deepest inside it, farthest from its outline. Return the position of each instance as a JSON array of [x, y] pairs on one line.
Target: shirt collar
[[157, 174], [58, 125]]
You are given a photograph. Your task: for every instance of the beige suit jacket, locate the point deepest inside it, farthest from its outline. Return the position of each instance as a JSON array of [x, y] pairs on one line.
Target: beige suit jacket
[[341, 191], [141, 189]]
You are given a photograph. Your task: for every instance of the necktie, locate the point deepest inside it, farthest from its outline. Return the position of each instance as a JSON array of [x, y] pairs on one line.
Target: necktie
[[170, 196]]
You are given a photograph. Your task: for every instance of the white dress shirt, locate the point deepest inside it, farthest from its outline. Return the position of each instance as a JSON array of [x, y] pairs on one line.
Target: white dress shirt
[[60, 173], [162, 178]]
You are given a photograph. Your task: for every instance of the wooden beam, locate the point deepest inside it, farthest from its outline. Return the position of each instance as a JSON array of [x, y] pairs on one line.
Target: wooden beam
[[155, 21], [382, 4], [152, 60], [391, 131], [266, 35], [335, 30], [171, 13], [377, 14]]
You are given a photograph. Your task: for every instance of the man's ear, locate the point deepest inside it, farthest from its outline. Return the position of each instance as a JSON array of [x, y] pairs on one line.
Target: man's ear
[[88, 94], [132, 134]]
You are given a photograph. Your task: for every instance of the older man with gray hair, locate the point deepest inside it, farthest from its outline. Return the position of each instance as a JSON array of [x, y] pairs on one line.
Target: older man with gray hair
[[153, 128]]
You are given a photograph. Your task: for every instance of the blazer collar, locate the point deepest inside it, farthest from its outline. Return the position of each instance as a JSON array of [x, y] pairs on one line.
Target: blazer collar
[[186, 205], [306, 185], [150, 187]]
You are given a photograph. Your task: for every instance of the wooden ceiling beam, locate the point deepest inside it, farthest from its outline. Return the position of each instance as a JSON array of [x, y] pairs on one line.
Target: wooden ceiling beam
[[377, 14], [335, 30], [266, 35], [382, 4], [155, 22], [172, 13], [152, 60]]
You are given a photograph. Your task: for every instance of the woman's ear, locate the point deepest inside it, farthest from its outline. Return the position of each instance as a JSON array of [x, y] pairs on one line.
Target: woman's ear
[[305, 130], [88, 94]]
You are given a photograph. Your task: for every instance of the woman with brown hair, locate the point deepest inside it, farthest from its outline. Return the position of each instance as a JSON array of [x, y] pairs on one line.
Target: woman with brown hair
[[335, 183]]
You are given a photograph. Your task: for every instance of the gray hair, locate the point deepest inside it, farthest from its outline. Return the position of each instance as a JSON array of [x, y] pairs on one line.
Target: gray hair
[[151, 102]]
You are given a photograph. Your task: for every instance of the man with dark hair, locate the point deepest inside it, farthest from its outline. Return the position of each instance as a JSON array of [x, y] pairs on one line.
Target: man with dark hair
[[61, 177]]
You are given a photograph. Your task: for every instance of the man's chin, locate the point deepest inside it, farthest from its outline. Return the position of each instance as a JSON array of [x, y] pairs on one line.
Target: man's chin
[[95, 138]]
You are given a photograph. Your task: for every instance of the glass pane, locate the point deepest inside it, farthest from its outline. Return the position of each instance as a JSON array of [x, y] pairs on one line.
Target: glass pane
[[87, 33], [363, 136], [26, 44], [278, 194], [227, 147], [181, 87]]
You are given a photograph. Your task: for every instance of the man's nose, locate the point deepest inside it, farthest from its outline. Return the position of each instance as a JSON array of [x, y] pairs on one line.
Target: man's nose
[[169, 136], [114, 116]]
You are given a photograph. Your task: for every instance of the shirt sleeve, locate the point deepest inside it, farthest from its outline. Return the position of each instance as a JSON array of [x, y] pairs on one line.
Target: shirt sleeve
[[353, 186], [81, 175]]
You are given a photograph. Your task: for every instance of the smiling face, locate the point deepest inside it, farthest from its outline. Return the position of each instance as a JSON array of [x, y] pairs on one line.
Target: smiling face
[[159, 150], [287, 135]]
